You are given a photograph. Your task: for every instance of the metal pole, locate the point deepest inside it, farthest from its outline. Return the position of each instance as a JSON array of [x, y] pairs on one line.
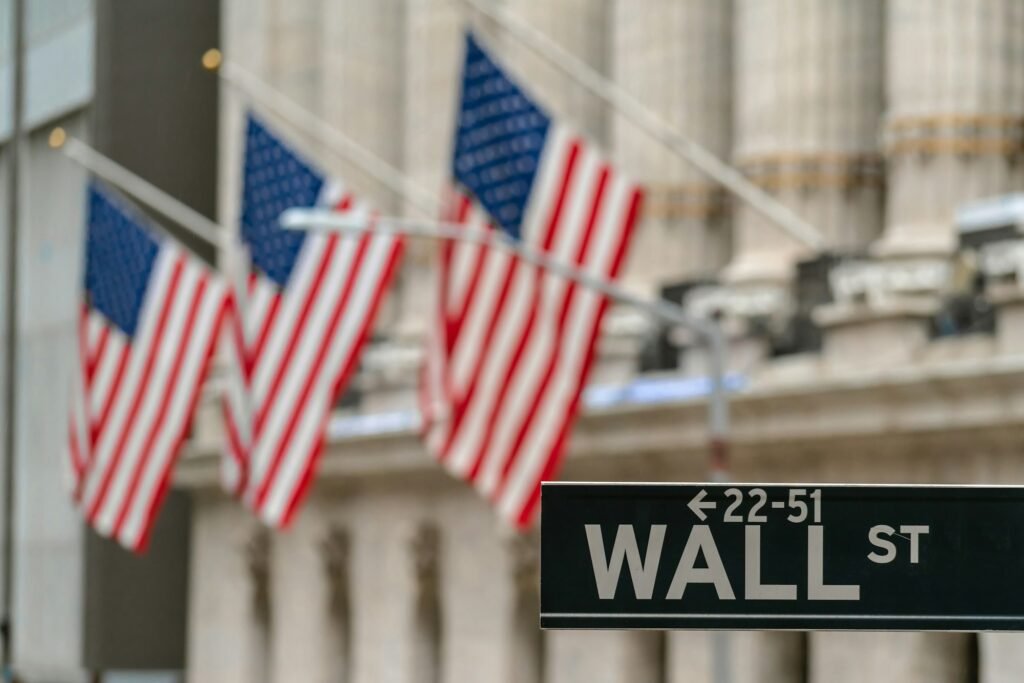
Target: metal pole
[[103, 167], [655, 126], [14, 146], [718, 404]]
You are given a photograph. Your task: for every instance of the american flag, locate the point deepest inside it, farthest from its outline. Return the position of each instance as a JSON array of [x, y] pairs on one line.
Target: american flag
[[150, 319], [309, 307], [503, 376]]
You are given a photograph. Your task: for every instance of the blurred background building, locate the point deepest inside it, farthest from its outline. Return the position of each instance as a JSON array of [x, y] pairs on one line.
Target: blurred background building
[[896, 127]]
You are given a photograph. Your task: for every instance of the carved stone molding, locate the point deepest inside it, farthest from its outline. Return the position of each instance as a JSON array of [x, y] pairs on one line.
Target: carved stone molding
[[335, 550], [424, 545], [257, 560], [524, 561]]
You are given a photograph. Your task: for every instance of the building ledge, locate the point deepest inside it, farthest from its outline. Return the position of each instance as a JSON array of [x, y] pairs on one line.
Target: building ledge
[[979, 398]]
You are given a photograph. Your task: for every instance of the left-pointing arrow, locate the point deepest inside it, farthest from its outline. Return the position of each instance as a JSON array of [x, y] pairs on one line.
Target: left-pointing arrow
[[698, 505]]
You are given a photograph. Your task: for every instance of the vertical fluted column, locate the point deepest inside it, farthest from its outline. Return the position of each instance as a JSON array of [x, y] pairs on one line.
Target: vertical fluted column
[[889, 657], [605, 656], [1001, 657], [953, 130], [675, 56], [433, 67], [294, 50], [363, 95], [303, 646], [809, 93]]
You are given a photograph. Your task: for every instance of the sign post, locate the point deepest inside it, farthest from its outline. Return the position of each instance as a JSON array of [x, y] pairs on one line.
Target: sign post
[[782, 557]]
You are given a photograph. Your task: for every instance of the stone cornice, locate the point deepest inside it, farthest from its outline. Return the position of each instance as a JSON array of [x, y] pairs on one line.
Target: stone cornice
[[981, 398]]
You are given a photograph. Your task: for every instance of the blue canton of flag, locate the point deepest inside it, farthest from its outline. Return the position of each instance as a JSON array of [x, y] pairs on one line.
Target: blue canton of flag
[[514, 343], [275, 180], [150, 318], [500, 135]]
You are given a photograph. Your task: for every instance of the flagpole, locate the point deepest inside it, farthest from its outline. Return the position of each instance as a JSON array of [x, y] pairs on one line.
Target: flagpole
[[139, 188], [632, 109], [14, 145], [718, 404]]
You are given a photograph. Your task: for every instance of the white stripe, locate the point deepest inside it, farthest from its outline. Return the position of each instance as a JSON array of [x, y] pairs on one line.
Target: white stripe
[[166, 442], [586, 306], [527, 381], [312, 338], [159, 386], [156, 295], [465, 256], [343, 344], [298, 290]]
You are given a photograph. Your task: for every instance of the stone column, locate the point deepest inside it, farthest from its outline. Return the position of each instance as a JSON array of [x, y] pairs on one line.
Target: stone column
[[675, 56], [364, 52], [294, 50], [953, 133], [229, 620], [1002, 657], [432, 64], [605, 656], [953, 130], [302, 646], [808, 101], [527, 652], [888, 657], [581, 27], [426, 664]]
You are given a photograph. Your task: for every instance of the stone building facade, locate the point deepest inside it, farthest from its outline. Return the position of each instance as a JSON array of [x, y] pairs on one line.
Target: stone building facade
[[873, 119]]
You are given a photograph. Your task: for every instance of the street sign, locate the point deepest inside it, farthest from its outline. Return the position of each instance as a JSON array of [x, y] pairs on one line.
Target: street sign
[[802, 556]]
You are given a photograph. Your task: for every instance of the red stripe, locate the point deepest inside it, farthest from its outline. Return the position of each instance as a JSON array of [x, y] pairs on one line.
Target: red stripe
[[140, 389], [301, 404], [168, 391], [313, 459], [263, 409], [165, 477], [97, 354], [554, 462], [558, 348]]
